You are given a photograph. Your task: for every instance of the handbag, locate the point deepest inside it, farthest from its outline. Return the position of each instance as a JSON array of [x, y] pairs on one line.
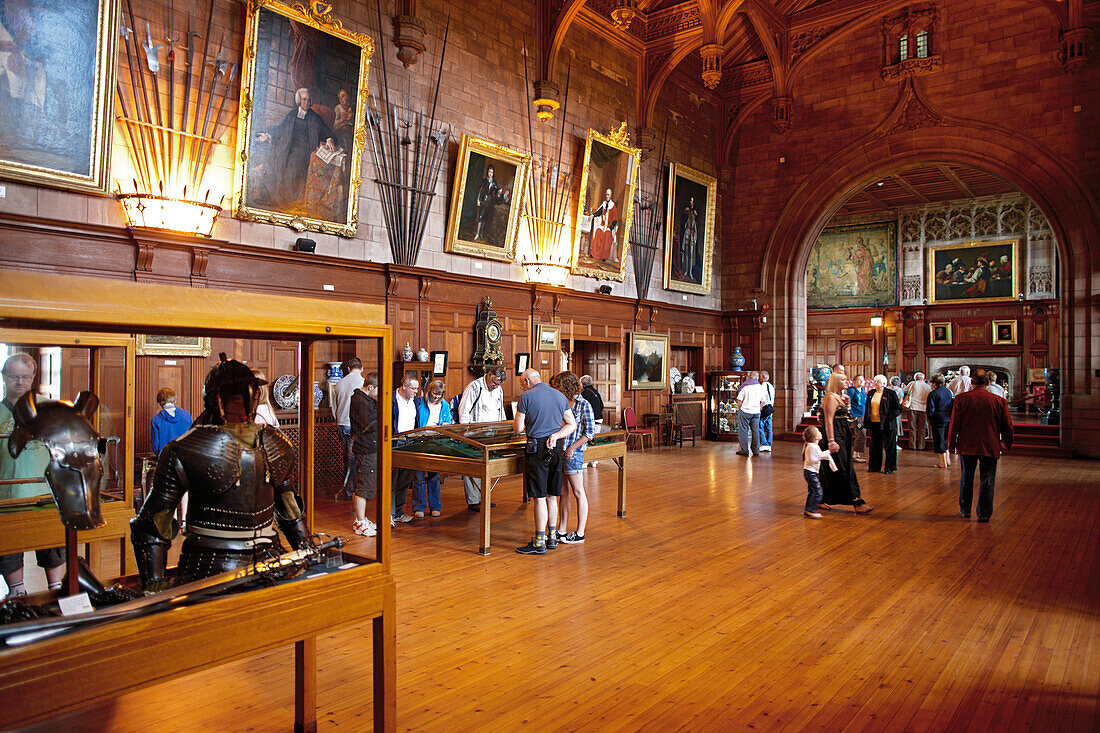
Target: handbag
[[767, 411]]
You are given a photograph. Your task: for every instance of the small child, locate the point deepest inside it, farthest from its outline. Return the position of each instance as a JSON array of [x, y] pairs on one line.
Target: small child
[[812, 456]]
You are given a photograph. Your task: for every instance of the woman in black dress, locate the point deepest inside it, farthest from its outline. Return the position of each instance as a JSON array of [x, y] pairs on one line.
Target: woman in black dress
[[842, 485], [939, 417]]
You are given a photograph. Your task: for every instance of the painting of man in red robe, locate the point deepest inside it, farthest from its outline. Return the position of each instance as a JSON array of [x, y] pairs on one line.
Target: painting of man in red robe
[[605, 225]]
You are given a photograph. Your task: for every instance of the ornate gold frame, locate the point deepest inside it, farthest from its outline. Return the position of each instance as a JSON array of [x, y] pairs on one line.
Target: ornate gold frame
[[932, 340], [194, 346], [665, 355], [711, 184], [1004, 342], [547, 328], [620, 140], [930, 269], [489, 149], [316, 15], [101, 125]]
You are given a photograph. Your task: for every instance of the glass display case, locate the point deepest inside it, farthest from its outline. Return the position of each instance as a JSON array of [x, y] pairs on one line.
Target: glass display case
[[722, 388]]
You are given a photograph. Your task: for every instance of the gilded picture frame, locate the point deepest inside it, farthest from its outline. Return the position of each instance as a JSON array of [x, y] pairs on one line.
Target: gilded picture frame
[[1004, 333], [648, 363], [689, 253], [159, 345], [547, 337], [605, 208], [57, 110], [277, 179], [485, 206], [980, 271], [939, 334]]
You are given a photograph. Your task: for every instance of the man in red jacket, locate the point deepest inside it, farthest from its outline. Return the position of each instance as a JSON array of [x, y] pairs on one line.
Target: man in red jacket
[[979, 426]]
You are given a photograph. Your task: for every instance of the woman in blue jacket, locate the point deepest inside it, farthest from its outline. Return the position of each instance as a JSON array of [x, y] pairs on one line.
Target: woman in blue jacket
[[430, 410]]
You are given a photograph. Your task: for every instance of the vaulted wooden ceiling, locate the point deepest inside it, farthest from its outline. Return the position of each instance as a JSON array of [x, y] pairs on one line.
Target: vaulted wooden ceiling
[[925, 185]]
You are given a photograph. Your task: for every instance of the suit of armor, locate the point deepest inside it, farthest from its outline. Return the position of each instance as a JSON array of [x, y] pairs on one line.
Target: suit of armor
[[238, 480]]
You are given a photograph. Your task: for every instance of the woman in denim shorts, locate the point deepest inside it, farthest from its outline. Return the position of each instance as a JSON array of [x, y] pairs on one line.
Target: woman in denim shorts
[[573, 460]]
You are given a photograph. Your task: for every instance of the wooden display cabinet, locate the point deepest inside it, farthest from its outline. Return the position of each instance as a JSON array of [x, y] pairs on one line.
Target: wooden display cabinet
[[722, 388], [50, 676]]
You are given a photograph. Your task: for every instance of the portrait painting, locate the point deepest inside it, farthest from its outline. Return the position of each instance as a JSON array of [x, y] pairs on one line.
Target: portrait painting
[[939, 334], [606, 206], [972, 271], [1004, 333], [548, 337], [161, 345], [487, 200], [689, 229], [853, 266], [57, 91], [648, 361], [301, 127]]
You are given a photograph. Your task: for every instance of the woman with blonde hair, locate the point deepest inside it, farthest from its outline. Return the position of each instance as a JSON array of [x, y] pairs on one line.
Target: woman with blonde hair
[[841, 486], [265, 411]]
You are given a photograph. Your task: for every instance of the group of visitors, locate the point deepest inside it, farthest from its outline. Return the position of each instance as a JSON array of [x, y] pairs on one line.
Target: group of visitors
[[755, 406], [965, 416]]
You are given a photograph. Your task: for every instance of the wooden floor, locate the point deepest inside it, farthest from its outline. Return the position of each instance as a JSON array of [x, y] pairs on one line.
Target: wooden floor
[[715, 606]]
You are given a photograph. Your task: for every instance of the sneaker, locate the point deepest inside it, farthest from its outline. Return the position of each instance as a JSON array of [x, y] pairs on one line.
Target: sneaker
[[552, 542], [812, 515], [531, 549], [365, 528], [436, 512], [765, 449], [418, 515], [402, 517], [572, 538]]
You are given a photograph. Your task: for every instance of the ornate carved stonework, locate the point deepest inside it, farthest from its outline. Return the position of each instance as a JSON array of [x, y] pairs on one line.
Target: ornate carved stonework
[[911, 288], [754, 74], [912, 67], [673, 20], [1076, 48], [805, 40], [781, 114], [1040, 279], [916, 114], [712, 64]]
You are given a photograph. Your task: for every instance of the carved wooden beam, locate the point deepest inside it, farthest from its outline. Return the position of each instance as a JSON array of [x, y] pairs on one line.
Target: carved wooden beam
[[950, 175]]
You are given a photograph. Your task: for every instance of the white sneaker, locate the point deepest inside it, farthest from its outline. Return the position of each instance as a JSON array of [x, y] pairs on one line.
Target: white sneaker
[[765, 449], [365, 528]]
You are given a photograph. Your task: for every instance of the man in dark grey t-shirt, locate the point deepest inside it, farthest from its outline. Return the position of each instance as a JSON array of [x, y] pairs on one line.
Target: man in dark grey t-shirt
[[543, 414]]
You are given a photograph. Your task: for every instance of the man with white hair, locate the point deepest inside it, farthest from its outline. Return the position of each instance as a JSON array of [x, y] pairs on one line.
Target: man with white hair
[[918, 391], [994, 387], [961, 383], [300, 133]]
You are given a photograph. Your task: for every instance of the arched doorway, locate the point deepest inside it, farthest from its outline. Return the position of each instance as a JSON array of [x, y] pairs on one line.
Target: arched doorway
[[1050, 183]]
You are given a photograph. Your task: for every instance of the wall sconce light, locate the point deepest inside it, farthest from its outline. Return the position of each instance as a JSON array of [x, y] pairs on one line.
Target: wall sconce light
[[876, 319]]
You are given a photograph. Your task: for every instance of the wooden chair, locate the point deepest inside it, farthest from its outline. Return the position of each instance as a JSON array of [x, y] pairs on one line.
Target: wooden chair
[[630, 421], [679, 430]]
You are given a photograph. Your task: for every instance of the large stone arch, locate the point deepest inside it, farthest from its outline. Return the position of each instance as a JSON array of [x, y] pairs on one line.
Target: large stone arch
[[1050, 182]]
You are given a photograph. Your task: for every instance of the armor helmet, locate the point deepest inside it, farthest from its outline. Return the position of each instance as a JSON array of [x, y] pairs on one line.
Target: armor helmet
[[231, 393], [75, 470]]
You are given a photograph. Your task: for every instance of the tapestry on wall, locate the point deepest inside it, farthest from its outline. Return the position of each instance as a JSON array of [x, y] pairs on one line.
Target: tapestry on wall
[[853, 266]]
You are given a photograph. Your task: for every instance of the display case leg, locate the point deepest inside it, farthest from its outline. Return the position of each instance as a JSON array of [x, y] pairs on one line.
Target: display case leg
[[305, 685]]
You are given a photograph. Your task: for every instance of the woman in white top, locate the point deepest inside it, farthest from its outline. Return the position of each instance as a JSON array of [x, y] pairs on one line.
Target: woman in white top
[[265, 411]]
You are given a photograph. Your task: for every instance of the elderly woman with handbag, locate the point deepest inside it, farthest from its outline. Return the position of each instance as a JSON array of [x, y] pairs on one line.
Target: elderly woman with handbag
[[883, 409]]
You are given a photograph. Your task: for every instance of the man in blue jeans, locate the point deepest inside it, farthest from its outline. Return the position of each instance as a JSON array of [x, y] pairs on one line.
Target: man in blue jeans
[[750, 400], [766, 422], [342, 393]]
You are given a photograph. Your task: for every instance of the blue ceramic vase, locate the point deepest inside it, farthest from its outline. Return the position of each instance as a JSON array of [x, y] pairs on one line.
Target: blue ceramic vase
[[737, 360]]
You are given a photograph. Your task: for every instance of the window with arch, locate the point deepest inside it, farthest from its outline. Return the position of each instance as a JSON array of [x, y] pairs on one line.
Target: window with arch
[[907, 43]]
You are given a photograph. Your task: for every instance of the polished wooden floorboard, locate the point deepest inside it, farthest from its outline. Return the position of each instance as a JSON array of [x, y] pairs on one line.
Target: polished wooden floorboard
[[714, 606]]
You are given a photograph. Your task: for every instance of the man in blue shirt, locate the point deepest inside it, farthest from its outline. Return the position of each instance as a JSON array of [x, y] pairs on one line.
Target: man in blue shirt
[[858, 407], [543, 414]]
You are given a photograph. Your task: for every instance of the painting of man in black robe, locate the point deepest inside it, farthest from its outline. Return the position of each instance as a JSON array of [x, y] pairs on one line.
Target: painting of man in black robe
[[486, 201], [299, 151]]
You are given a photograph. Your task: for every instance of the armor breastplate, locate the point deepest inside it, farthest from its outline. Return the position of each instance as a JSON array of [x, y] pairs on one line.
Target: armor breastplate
[[229, 486]]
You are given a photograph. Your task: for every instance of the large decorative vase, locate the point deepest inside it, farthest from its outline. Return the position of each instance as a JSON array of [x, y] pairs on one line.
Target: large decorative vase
[[422, 354], [1054, 382], [407, 352], [318, 395], [737, 360], [819, 377], [335, 371]]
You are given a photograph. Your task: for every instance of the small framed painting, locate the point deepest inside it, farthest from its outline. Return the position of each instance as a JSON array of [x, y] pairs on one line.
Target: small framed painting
[[648, 357], [939, 334], [439, 363], [548, 337], [173, 345], [487, 200], [523, 361], [1004, 333]]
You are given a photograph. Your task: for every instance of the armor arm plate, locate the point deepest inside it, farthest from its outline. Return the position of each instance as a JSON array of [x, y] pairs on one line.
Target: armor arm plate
[[288, 504], [155, 526]]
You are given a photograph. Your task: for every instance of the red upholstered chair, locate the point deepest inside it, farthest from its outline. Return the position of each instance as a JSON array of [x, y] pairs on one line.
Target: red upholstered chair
[[630, 421]]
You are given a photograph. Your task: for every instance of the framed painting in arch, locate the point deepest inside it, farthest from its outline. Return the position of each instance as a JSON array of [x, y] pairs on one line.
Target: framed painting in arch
[[854, 266], [487, 200], [523, 361], [57, 108], [973, 272], [689, 229], [1004, 333], [439, 363], [939, 334], [648, 363], [606, 206], [301, 126], [158, 345], [548, 337]]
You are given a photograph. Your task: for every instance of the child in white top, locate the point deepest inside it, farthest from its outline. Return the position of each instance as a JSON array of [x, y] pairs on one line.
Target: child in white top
[[812, 456]]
